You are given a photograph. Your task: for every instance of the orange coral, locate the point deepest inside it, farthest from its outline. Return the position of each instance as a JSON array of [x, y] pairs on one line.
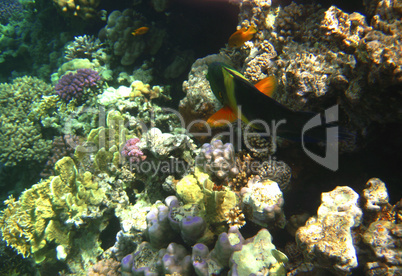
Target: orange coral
[[105, 267]]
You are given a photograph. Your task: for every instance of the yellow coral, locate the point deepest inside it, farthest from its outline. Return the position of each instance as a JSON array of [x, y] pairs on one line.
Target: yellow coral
[[138, 88], [197, 189], [32, 222]]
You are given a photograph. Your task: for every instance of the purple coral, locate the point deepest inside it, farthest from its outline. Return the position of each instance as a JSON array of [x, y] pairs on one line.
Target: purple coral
[[132, 151], [78, 85]]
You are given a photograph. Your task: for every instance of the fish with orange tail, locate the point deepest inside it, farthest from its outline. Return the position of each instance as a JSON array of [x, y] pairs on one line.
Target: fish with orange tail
[[238, 38], [253, 104], [140, 31]]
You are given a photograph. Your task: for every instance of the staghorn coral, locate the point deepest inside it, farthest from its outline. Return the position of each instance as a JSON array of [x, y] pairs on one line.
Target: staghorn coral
[[85, 46], [85, 9]]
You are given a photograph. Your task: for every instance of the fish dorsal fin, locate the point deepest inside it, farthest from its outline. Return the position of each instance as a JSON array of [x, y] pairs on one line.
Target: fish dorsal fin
[[222, 117], [235, 73], [267, 86]]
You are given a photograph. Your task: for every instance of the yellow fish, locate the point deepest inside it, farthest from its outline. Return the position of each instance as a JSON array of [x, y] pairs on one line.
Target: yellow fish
[[238, 38], [140, 31]]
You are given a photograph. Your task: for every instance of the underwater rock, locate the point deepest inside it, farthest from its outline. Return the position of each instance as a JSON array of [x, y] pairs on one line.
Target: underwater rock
[[326, 239], [163, 145], [262, 202], [376, 195], [277, 171], [199, 102]]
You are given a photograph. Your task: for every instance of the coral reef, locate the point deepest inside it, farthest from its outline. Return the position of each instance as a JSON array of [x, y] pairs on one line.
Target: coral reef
[[81, 8], [126, 47], [326, 239], [269, 261], [132, 151], [218, 160], [199, 102], [85, 46], [10, 10], [19, 126], [198, 189], [105, 267], [80, 85], [262, 202]]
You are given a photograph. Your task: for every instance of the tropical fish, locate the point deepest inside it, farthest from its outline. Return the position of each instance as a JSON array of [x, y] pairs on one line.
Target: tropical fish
[[238, 38], [242, 100], [140, 31]]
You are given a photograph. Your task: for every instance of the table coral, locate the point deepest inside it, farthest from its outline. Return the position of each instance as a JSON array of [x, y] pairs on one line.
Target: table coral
[[326, 239]]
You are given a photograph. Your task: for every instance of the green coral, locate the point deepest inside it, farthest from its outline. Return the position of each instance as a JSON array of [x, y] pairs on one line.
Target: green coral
[[20, 133], [259, 257], [40, 220], [104, 143]]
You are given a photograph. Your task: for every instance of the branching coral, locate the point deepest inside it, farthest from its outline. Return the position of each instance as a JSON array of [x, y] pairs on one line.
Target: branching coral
[[79, 85], [83, 47]]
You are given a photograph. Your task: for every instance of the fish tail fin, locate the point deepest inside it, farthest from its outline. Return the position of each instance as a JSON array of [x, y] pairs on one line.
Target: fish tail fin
[[315, 127]]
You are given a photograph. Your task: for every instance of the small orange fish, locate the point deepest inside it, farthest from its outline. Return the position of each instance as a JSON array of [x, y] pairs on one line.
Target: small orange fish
[[140, 31], [238, 38]]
